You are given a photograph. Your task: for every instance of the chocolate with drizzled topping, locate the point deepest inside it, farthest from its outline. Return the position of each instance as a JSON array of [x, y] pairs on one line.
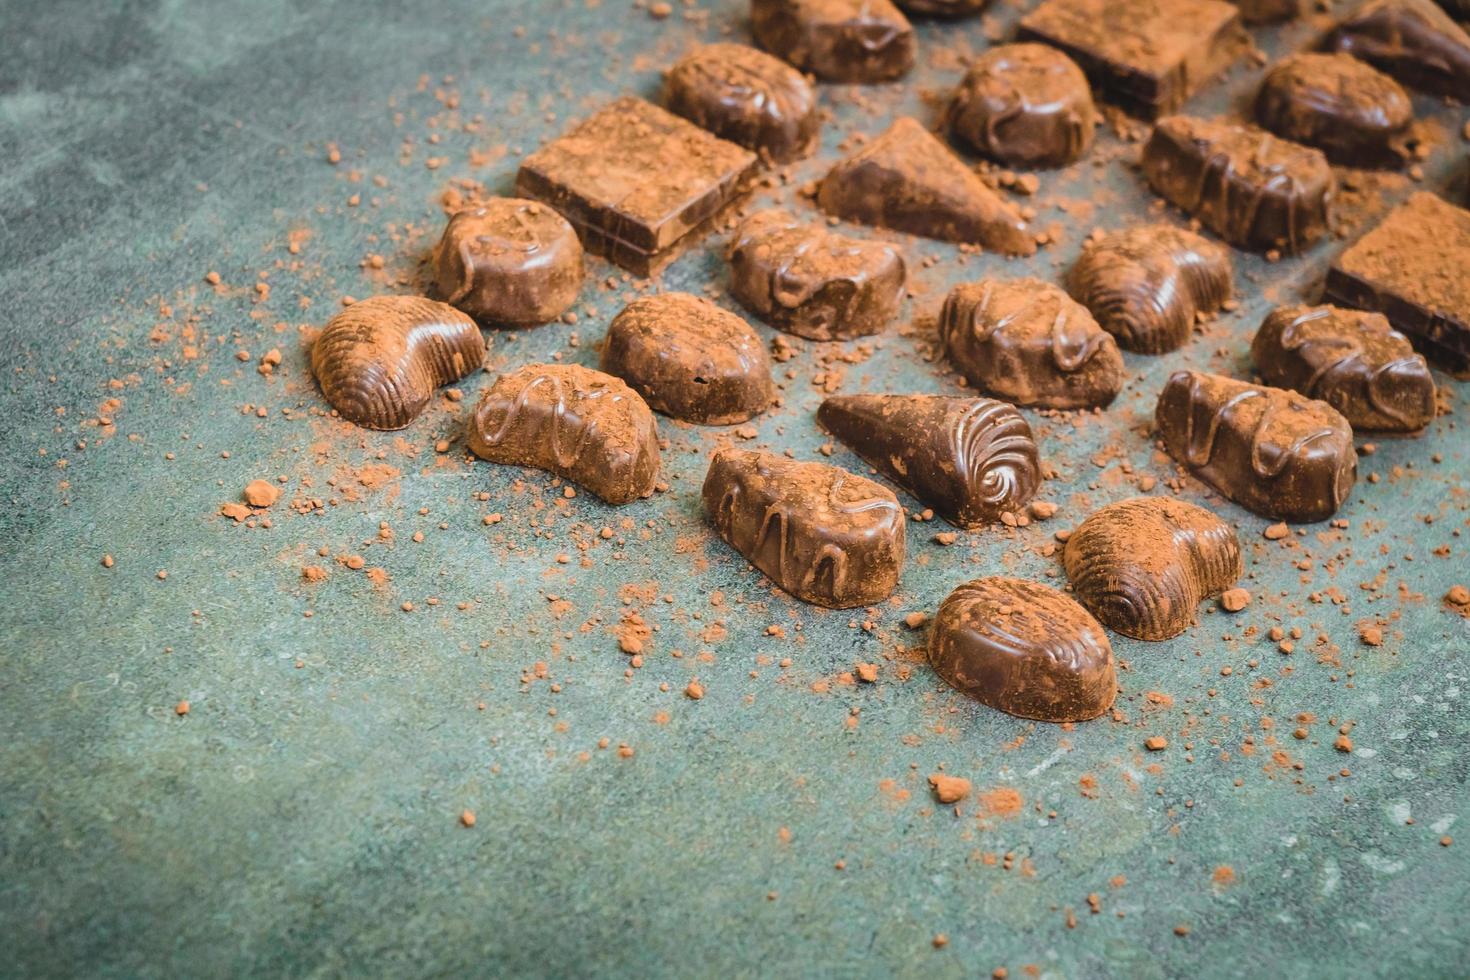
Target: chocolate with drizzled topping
[[1413, 40], [1028, 105], [509, 262], [1353, 113], [837, 40], [747, 97]]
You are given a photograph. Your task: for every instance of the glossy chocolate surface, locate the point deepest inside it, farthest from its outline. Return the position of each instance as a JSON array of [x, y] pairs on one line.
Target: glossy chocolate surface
[[943, 8], [1028, 105], [1268, 11], [837, 40], [509, 262], [747, 97], [1412, 40], [1353, 113]]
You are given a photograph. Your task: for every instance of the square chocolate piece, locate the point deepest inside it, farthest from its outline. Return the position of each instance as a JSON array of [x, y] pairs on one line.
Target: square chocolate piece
[[1147, 56], [1412, 268], [636, 181]]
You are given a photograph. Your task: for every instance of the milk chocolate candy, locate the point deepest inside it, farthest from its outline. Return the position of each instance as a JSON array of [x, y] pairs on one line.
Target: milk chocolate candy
[[580, 424], [1350, 359], [1029, 343], [823, 534], [1027, 105], [638, 183], [1255, 190], [970, 459], [509, 262], [812, 282], [906, 179], [837, 40], [1147, 285], [1412, 269], [1274, 452], [747, 97], [946, 9], [1147, 56], [1144, 565], [379, 361], [689, 359], [1353, 113], [1412, 40], [1025, 649]]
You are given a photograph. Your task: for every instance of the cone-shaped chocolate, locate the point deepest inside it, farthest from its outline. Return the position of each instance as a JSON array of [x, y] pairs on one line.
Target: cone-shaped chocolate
[[971, 459], [1412, 40]]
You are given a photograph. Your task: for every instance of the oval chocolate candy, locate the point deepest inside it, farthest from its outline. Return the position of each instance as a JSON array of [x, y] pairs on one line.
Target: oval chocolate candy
[[509, 262], [861, 41], [1027, 105], [747, 97], [1355, 114]]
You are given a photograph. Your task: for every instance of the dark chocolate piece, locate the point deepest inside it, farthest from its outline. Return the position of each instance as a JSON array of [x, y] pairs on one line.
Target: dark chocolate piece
[[1147, 285], [1148, 56], [906, 179], [971, 459], [747, 97], [812, 282], [636, 182], [690, 359], [1272, 451], [1029, 343], [837, 40], [823, 534], [1457, 9], [1254, 190], [1352, 360], [1412, 269], [1028, 105], [945, 9], [1353, 113], [578, 423], [1025, 649], [1413, 40], [379, 361], [509, 262], [1144, 565], [1268, 11]]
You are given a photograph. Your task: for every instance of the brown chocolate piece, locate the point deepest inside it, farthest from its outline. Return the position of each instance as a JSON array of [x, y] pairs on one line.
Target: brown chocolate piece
[[1353, 113], [946, 9], [1029, 343], [1148, 56], [1268, 11], [837, 40], [906, 179], [1254, 190], [971, 459], [1147, 285], [379, 361], [823, 534], [1142, 566], [1352, 360], [1412, 269], [1272, 451], [637, 182], [578, 423], [1412, 40], [747, 97], [510, 262], [812, 282], [1025, 649], [1028, 105], [690, 359]]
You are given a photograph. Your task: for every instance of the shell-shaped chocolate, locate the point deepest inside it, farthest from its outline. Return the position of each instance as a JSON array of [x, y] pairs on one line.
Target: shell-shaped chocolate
[[578, 423], [1028, 105], [747, 97], [823, 534], [1024, 648], [1029, 343], [1349, 110], [510, 262], [1142, 566], [1146, 285], [379, 361]]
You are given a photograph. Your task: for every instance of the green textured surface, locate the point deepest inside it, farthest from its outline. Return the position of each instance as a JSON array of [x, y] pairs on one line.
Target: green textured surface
[[303, 819]]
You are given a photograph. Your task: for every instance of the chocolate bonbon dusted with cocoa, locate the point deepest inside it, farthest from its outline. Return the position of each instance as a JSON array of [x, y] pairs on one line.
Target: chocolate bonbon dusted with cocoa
[[1251, 188], [379, 361], [970, 459], [1029, 343], [1147, 285], [906, 179], [837, 40], [1028, 105], [572, 421], [689, 359], [1413, 40], [1350, 359], [747, 97], [1272, 451], [815, 283], [1144, 565], [1353, 113], [943, 8], [1025, 649], [823, 534], [509, 262]]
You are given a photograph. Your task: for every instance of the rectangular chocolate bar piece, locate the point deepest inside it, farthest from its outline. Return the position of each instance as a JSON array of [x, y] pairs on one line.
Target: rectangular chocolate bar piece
[[1147, 56], [1412, 268], [636, 182]]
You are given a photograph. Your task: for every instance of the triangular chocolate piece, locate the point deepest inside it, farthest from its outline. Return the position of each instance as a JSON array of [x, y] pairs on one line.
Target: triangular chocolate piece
[[1412, 40]]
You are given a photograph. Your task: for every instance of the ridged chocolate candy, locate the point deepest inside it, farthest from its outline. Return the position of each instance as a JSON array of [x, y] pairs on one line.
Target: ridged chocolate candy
[[510, 262], [1353, 113], [1027, 105], [747, 97]]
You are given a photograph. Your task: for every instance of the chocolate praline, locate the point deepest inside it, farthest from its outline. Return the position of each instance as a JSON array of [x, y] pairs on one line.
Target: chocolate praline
[[1027, 105], [1355, 114], [837, 40], [510, 262], [747, 97]]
